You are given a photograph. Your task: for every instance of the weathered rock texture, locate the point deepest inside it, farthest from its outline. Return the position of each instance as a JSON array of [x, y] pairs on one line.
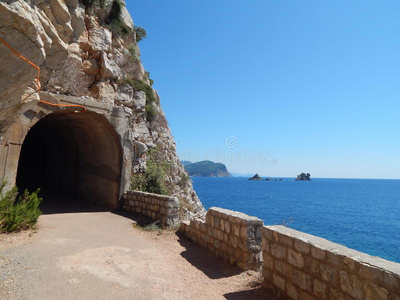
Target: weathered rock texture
[[230, 235], [157, 207], [82, 61], [302, 266]]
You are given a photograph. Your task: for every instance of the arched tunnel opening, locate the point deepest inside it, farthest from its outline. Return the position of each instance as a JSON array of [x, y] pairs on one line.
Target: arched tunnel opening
[[72, 155]]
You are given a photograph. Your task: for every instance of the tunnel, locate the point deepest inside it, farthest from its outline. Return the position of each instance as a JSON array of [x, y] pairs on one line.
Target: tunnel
[[77, 155]]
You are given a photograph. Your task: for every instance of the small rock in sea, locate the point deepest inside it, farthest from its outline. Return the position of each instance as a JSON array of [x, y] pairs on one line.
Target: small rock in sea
[[256, 177], [303, 177]]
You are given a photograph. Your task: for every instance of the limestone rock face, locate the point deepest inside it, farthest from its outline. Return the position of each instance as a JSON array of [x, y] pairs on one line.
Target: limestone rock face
[[139, 101], [100, 39], [80, 55], [125, 95]]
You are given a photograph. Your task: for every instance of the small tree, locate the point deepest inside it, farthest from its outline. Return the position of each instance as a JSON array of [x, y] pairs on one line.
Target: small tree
[[140, 33], [153, 180], [18, 212]]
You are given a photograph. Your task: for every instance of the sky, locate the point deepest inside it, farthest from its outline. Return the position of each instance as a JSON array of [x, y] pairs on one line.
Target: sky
[[279, 87]]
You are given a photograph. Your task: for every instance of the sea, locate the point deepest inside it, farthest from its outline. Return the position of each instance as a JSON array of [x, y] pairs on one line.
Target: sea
[[362, 214]]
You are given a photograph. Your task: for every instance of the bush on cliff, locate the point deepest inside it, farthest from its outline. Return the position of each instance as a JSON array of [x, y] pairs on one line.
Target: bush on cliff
[[115, 21], [151, 112], [147, 74], [18, 212], [153, 180], [140, 85], [140, 33]]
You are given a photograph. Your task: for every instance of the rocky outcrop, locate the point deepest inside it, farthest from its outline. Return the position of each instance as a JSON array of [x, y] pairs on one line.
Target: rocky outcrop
[[83, 53], [303, 177], [256, 177]]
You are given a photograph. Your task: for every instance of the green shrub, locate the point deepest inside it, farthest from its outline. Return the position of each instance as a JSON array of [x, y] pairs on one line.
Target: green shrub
[[140, 85], [115, 19], [140, 33], [138, 182], [148, 77], [157, 226], [18, 212], [153, 226], [153, 180], [132, 50], [184, 180], [133, 54], [151, 112]]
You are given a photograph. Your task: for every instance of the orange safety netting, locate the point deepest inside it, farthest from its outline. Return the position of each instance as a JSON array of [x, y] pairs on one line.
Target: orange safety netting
[[37, 78]]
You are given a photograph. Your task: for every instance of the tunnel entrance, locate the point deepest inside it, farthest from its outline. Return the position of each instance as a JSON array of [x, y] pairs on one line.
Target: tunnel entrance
[[77, 155]]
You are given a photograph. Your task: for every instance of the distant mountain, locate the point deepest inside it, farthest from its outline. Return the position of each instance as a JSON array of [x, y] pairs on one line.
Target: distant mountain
[[186, 162], [206, 168]]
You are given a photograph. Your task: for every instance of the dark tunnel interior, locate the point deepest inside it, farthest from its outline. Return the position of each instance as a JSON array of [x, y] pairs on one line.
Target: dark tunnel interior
[[72, 154]]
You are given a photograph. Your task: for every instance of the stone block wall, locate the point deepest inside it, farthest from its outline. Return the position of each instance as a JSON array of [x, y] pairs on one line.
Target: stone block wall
[[157, 207], [301, 266], [232, 236]]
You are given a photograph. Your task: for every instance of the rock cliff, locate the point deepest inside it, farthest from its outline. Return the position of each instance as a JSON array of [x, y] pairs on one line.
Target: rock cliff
[[87, 49]]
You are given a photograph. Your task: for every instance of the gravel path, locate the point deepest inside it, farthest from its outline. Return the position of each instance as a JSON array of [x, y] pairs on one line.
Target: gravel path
[[99, 255]]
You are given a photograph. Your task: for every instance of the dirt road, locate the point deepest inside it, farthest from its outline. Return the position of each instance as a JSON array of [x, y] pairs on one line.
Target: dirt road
[[98, 255]]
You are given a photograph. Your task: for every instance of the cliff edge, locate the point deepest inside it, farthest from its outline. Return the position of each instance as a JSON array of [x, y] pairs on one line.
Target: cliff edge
[[86, 50]]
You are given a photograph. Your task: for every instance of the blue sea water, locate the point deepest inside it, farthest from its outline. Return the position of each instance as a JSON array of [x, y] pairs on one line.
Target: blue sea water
[[362, 214]]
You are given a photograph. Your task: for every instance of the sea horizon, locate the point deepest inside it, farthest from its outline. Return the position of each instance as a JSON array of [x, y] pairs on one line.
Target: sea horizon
[[312, 178], [361, 214]]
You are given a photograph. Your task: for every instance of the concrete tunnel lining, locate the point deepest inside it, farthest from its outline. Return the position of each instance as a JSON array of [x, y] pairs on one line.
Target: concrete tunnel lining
[[74, 154]]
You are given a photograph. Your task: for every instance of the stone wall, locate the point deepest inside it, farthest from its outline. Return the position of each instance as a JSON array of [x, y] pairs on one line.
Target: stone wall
[[157, 207], [302, 266], [233, 236], [296, 265]]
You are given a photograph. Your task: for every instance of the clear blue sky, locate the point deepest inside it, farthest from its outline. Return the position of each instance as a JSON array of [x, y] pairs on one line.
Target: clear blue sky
[[296, 86]]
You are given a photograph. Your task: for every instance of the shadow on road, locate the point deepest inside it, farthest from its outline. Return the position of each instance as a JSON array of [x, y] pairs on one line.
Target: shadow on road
[[61, 204], [203, 260], [216, 268], [256, 293], [136, 218]]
